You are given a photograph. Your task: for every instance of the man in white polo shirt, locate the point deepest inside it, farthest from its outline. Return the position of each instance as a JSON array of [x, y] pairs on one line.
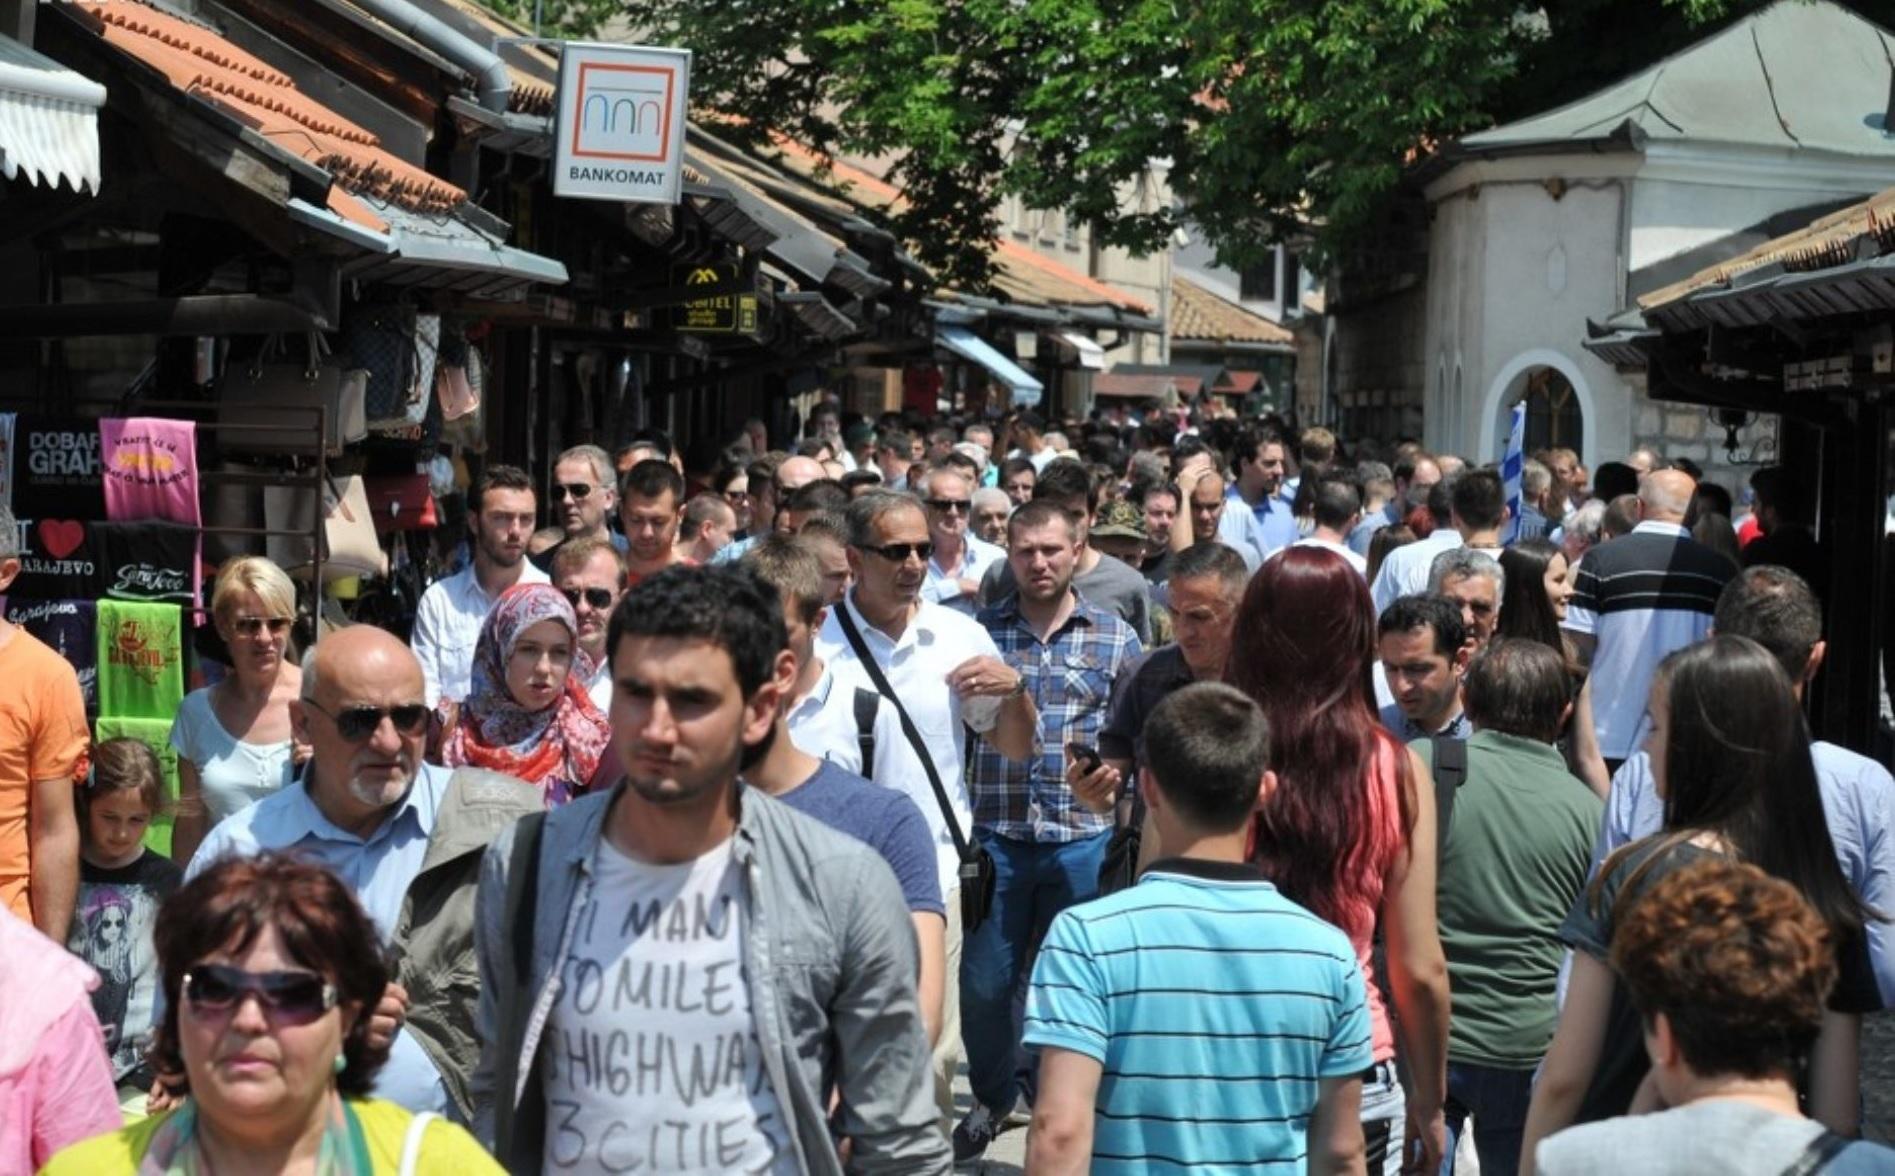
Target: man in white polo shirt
[[1637, 598], [948, 676]]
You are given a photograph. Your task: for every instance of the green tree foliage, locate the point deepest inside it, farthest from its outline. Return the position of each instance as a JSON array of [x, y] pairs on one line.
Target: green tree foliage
[[1270, 117]]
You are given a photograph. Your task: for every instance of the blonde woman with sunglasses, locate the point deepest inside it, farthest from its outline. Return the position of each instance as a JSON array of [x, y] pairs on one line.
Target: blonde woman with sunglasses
[[234, 742]]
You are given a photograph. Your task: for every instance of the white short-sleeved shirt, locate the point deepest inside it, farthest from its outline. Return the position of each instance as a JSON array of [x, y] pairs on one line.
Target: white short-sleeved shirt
[[917, 665], [1360, 564], [447, 624], [231, 775]]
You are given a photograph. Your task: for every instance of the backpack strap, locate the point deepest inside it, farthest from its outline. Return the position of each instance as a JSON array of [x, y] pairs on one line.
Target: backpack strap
[[1817, 1155], [867, 705], [526, 1118], [1450, 772]]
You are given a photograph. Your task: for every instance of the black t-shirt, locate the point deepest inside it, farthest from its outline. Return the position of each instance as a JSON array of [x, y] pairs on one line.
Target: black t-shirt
[[1134, 695], [1622, 1059], [113, 920]]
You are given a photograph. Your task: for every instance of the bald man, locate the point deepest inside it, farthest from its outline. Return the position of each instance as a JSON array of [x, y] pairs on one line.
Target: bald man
[[1638, 597], [405, 835]]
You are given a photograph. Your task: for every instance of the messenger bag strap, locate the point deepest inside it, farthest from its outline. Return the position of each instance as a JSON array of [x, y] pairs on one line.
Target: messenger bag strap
[[882, 687], [1450, 771]]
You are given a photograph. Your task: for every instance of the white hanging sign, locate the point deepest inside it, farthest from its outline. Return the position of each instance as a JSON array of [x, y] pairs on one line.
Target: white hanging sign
[[620, 131]]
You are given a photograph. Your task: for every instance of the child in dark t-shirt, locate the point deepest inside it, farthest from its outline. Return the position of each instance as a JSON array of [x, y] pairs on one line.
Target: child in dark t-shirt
[[121, 885]]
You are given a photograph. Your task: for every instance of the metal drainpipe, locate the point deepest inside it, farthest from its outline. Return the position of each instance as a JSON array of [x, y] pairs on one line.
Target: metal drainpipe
[[491, 81]]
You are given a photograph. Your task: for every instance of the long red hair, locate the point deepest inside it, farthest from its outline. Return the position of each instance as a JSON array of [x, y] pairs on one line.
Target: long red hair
[[1302, 647]]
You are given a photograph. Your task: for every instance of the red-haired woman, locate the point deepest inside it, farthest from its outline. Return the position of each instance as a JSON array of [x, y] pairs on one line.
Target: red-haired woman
[[1349, 831]]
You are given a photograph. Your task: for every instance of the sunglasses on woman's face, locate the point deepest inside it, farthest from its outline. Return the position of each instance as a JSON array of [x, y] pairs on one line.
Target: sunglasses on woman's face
[[294, 998], [357, 723], [598, 598], [251, 626]]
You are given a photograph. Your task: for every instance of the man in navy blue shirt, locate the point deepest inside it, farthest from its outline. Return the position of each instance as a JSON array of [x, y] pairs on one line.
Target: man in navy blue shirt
[[884, 819]]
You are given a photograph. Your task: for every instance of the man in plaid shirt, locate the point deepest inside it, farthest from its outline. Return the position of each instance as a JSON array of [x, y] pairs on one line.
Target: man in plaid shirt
[[1046, 845]]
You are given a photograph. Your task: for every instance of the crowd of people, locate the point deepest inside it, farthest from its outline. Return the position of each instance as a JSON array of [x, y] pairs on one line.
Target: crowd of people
[[1212, 799]]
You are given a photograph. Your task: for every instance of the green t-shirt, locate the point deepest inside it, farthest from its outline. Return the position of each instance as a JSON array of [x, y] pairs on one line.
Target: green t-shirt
[[1518, 844]]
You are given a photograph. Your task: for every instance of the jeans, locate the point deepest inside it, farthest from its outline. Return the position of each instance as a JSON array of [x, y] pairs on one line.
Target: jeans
[[1033, 881], [1498, 1101], [1384, 1118]]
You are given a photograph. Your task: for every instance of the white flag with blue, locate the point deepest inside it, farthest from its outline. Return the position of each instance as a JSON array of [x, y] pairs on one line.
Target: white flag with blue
[[1510, 468]]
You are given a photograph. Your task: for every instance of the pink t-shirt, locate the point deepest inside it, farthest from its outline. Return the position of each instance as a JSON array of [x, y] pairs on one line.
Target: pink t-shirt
[[55, 1082]]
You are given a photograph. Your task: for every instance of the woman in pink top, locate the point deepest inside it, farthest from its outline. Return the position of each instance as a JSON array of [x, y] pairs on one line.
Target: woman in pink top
[[55, 1083], [1349, 831]]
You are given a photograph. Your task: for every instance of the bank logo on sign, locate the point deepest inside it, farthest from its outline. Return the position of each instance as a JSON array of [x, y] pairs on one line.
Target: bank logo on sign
[[624, 112]]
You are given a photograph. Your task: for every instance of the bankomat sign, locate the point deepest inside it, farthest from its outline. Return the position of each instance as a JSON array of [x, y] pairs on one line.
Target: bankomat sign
[[620, 134]]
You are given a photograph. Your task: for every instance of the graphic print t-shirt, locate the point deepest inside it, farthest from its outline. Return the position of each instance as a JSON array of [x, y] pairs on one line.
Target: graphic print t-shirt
[[111, 930], [652, 1062]]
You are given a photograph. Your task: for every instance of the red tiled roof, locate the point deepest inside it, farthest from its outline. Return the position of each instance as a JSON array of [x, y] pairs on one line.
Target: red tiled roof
[[1239, 382], [199, 62], [1198, 314], [1141, 385]]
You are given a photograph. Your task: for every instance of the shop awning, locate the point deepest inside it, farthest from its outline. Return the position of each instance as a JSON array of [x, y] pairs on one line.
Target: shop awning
[[1085, 349], [49, 120], [973, 348]]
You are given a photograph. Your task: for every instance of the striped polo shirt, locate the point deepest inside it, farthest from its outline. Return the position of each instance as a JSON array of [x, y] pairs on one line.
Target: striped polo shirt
[[1214, 1006], [1641, 596]]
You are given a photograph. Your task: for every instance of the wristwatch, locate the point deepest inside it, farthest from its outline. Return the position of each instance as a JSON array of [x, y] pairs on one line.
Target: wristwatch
[[1019, 686]]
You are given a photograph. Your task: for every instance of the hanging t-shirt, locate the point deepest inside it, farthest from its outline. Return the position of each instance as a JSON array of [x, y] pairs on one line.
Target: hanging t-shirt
[[68, 629], [57, 473], [147, 561], [112, 924], [652, 1062], [141, 660], [57, 560], [150, 469]]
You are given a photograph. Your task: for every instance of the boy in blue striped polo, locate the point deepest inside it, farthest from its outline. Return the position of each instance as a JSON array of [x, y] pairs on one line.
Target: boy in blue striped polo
[[1198, 1021]]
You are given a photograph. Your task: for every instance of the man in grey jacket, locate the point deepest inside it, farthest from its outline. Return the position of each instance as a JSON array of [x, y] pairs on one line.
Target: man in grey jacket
[[680, 972]]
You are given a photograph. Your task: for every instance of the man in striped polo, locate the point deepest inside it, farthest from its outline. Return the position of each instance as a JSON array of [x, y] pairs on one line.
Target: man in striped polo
[[1198, 1020], [1637, 598]]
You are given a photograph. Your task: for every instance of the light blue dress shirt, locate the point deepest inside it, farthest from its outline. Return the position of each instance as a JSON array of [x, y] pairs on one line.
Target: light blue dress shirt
[[1276, 524], [1858, 805], [943, 587], [379, 868]]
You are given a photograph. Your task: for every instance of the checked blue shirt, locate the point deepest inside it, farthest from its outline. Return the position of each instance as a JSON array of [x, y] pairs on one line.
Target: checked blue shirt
[[1070, 679]]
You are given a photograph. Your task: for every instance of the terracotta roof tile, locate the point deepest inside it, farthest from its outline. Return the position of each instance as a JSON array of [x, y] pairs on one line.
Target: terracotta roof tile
[[197, 61], [1140, 385], [1196, 313]]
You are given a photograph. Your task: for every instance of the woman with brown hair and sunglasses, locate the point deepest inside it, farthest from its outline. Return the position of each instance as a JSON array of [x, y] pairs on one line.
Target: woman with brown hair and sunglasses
[[270, 970], [233, 739]]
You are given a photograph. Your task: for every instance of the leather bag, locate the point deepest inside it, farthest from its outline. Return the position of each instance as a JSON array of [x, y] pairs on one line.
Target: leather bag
[[253, 399], [402, 502], [350, 545]]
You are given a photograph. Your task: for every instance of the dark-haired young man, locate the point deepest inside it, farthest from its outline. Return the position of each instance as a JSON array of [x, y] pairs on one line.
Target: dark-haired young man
[[651, 499], [448, 619], [1513, 857], [1424, 647], [1338, 507], [1144, 1003], [1111, 584], [702, 964]]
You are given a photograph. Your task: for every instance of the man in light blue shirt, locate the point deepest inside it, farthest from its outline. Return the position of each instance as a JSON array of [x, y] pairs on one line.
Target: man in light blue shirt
[[1774, 607], [1259, 467], [960, 558], [367, 807]]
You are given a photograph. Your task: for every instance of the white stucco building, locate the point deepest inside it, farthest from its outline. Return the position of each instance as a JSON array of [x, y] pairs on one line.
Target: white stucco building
[[1541, 225]]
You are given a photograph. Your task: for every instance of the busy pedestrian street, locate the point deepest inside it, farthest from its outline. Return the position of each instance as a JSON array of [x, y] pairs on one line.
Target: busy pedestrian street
[[675, 587]]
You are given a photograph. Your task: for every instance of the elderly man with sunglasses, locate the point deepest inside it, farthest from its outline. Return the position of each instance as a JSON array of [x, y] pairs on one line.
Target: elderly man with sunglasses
[[592, 576], [960, 557], [950, 680], [404, 835]]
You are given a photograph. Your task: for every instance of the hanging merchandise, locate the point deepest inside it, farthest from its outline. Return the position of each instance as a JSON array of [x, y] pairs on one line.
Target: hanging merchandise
[[58, 474], [380, 339], [6, 458], [69, 628], [231, 504], [57, 561], [401, 502], [453, 383], [255, 400], [150, 466], [140, 660], [147, 561], [427, 355], [350, 545]]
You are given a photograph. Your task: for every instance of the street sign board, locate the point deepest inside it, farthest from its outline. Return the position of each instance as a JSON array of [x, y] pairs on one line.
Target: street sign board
[[620, 130], [718, 314]]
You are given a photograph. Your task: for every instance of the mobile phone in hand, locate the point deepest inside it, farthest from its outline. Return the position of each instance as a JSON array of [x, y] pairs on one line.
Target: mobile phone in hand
[[1087, 755]]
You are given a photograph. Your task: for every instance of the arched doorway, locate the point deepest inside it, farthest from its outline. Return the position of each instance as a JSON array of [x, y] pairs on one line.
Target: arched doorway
[[1560, 408]]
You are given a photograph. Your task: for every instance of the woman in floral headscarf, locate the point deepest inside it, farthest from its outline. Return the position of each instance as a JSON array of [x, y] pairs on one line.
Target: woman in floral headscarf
[[528, 714]]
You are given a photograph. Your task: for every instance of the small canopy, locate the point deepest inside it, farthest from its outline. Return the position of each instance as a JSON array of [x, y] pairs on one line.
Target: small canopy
[[971, 347], [49, 120]]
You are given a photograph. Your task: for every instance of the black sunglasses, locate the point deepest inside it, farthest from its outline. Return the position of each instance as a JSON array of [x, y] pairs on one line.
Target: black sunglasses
[[296, 998], [950, 505], [899, 552], [251, 626], [577, 490], [598, 598], [357, 723]]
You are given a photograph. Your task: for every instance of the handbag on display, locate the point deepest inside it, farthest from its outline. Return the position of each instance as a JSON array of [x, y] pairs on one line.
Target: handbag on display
[[381, 340], [402, 502], [255, 395], [350, 545]]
